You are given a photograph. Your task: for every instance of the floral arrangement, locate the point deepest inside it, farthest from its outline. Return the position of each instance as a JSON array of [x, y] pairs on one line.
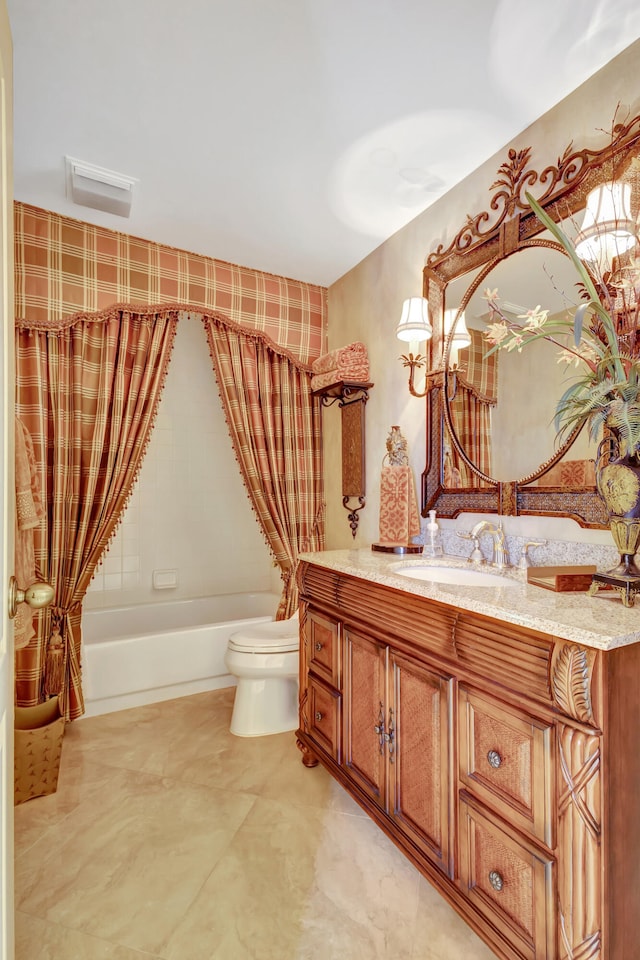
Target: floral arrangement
[[601, 341]]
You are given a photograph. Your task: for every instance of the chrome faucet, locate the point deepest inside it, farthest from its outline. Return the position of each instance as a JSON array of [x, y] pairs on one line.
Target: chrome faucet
[[500, 557]]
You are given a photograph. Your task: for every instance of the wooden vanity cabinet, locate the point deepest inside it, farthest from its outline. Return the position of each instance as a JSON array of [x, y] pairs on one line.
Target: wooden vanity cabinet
[[503, 761]]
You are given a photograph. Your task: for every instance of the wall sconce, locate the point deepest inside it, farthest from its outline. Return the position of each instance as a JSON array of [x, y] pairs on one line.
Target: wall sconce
[[414, 325], [414, 321], [608, 230]]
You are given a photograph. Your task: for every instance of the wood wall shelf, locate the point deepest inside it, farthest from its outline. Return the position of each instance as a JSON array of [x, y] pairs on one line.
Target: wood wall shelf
[[343, 392]]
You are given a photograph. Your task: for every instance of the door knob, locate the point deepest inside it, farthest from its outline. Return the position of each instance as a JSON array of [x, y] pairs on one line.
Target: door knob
[[37, 595]]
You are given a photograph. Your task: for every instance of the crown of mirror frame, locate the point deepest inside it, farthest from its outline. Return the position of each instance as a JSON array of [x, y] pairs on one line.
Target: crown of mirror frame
[[608, 232]]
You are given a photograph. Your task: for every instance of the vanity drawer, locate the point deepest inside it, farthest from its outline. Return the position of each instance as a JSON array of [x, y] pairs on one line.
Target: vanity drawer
[[509, 882], [506, 761], [324, 717], [324, 648]]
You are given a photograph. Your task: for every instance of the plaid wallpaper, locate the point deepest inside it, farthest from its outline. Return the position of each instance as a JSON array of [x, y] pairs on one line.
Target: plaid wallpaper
[[65, 266]]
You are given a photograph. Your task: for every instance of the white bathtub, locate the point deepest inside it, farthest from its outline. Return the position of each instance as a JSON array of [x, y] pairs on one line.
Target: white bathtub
[[159, 651]]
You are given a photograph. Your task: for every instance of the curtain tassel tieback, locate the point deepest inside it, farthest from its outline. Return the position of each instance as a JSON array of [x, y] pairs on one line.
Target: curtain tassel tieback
[[54, 664]]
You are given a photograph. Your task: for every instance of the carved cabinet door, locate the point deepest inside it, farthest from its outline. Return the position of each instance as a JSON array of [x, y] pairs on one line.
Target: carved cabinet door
[[420, 764], [365, 713], [398, 741]]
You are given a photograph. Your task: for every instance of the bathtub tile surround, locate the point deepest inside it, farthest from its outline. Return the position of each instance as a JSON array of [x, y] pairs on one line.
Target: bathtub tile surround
[[191, 844], [190, 512]]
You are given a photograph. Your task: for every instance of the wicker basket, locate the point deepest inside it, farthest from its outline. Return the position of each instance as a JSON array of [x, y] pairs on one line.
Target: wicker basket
[[37, 748]]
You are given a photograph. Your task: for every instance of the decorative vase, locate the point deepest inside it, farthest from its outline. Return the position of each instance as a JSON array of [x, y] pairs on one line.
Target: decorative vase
[[618, 483]]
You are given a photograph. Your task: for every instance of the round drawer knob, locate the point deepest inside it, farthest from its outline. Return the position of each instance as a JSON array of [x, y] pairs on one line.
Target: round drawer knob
[[494, 759], [496, 880], [318, 715], [318, 646]]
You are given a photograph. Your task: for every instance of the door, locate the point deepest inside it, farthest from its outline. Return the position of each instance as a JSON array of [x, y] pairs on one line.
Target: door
[[365, 714], [7, 506], [422, 783]]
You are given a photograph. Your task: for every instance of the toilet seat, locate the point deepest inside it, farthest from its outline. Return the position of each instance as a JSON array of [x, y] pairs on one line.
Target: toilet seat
[[275, 636]]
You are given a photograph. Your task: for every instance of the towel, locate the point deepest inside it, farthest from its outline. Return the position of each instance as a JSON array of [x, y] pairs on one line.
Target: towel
[[345, 363], [399, 518], [29, 513], [322, 380]]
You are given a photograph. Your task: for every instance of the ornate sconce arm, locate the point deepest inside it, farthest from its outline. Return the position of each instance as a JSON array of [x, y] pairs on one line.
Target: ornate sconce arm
[[416, 363]]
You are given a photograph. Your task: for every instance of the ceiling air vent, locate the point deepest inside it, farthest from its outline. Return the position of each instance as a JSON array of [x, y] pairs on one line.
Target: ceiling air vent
[[92, 186]]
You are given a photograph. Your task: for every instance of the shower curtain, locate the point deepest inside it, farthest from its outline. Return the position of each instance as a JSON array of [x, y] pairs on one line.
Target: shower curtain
[[275, 427], [88, 389]]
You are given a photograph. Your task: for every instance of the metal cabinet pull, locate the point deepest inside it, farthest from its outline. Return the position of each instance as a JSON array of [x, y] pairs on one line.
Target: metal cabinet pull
[[390, 735], [318, 715], [494, 759], [379, 728], [319, 645], [496, 880]]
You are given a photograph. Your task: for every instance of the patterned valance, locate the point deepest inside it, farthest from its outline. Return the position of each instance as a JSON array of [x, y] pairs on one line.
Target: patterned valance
[[66, 267]]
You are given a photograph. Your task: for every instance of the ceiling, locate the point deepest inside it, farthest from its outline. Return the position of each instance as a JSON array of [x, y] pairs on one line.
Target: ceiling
[[291, 136]]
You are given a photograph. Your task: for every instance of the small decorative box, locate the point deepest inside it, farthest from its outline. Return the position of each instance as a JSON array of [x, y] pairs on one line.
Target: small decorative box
[[562, 579]]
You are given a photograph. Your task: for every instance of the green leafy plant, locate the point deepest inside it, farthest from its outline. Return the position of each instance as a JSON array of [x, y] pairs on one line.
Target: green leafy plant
[[599, 340]]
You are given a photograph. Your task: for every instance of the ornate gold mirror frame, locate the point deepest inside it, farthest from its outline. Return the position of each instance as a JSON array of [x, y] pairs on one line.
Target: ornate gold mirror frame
[[483, 242]]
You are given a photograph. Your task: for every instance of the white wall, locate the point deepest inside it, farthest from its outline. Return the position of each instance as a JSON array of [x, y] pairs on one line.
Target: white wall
[[189, 511], [365, 304]]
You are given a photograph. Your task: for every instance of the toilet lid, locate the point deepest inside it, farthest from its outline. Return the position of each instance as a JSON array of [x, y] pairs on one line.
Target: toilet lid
[[275, 636]]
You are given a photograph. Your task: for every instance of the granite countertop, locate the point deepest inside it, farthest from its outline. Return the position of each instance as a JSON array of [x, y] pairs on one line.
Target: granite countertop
[[601, 621]]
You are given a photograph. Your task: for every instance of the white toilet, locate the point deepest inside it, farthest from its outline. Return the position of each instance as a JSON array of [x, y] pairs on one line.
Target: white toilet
[[264, 659]]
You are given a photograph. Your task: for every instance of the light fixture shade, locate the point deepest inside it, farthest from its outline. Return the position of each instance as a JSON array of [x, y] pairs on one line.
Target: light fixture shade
[[461, 338], [414, 322], [608, 230]]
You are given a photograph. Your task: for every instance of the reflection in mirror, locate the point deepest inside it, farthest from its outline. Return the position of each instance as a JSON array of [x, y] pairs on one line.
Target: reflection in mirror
[[503, 405]]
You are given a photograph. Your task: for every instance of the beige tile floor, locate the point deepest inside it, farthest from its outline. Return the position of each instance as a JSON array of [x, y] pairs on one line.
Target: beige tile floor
[[169, 838]]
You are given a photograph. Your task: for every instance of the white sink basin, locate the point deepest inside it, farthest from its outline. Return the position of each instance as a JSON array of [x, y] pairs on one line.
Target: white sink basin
[[460, 576]]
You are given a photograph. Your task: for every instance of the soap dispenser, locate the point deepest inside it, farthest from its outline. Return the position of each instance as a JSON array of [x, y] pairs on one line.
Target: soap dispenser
[[433, 544]]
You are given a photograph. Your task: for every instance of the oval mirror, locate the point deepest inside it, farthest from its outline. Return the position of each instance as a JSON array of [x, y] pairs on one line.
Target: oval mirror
[[500, 408], [518, 470]]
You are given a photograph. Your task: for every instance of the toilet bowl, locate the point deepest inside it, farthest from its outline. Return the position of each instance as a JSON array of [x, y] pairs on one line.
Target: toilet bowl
[[264, 659]]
